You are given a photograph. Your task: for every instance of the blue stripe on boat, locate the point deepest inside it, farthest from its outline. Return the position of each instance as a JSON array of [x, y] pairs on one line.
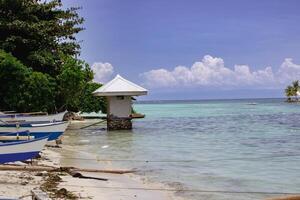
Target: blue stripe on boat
[[37, 135], [27, 124], [12, 157], [13, 133]]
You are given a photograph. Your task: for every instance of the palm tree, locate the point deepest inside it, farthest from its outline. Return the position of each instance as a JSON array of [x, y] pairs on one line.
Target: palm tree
[[289, 92], [296, 88]]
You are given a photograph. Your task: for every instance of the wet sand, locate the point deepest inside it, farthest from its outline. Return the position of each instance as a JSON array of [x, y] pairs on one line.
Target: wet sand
[[118, 186]]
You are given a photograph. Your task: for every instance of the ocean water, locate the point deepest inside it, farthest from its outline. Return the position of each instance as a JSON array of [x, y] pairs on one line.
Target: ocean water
[[219, 149]]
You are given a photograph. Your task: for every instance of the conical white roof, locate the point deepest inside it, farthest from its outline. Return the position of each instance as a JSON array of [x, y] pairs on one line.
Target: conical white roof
[[119, 86]]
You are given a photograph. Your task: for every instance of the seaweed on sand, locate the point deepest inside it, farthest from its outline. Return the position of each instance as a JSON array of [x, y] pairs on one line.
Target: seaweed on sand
[[50, 186]]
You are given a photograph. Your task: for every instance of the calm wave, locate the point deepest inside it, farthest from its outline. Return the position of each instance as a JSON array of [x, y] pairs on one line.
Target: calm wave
[[218, 145]]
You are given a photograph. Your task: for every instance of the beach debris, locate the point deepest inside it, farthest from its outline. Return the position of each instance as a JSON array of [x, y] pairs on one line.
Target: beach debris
[[53, 146], [12, 167], [43, 173], [64, 193], [24, 182], [285, 198], [105, 146], [77, 174], [58, 141], [26, 177], [51, 182], [110, 171], [38, 194], [51, 185], [37, 168]]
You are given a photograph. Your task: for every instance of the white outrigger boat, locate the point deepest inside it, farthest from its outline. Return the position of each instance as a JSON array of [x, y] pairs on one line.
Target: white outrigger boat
[[32, 118], [21, 150], [37, 130]]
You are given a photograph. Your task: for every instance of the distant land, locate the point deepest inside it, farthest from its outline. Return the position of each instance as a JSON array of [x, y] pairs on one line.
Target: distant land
[[166, 101]]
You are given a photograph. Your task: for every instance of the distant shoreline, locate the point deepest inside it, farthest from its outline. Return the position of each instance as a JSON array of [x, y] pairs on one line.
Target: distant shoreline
[[204, 100]]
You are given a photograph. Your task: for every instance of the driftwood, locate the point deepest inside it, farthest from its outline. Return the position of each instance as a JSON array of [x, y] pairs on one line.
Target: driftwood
[[27, 168], [76, 174], [61, 169], [110, 171], [286, 198]]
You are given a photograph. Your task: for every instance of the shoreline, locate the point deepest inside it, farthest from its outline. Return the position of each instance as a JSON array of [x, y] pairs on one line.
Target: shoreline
[[19, 184], [118, 186]]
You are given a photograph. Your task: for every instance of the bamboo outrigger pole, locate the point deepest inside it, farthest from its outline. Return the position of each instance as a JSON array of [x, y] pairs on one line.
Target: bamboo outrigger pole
[[62, 169]]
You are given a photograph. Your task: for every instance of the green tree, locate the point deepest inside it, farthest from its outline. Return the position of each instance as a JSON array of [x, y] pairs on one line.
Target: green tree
[[289, 92], [296, 88], [40, 93], [22, 89], [12, 81], [42, 71], [72, 80], [39, 33], [90, 103], [292, 91]]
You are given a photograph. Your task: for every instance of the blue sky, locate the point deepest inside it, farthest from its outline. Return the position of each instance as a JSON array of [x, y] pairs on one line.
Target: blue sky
[[225, 49]]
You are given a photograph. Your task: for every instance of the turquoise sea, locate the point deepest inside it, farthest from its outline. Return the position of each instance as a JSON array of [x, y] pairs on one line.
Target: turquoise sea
[[210, 149]]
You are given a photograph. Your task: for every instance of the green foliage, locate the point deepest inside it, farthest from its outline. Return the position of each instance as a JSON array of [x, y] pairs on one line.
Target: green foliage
[[291, 91], [296, 86], [41, 71], [24, 90], [12, 78], [90, 103], [40, 93], [38, 32], [74, 85]]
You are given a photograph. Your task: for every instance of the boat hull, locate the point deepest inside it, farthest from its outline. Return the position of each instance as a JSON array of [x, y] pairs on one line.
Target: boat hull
[[33, 118], [53, 130], [22, 150]]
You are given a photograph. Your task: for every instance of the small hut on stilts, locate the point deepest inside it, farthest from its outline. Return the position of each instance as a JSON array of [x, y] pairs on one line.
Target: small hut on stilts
[[119, 93]]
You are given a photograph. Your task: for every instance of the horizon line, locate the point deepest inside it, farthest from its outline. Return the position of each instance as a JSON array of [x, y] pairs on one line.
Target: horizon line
[[211, 99]]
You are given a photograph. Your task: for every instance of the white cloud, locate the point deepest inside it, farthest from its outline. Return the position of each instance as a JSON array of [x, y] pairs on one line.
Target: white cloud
[[211, 71], [288, 71], [102, 71], [161, 76]]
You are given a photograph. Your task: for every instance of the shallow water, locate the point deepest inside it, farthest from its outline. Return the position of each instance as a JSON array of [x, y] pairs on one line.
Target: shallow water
[[220, 146]]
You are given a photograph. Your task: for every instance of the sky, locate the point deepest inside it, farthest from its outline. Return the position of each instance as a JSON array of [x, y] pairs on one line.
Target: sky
[[194, 49]]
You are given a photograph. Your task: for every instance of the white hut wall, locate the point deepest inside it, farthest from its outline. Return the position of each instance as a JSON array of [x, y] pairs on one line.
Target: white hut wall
[[120, 106]]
